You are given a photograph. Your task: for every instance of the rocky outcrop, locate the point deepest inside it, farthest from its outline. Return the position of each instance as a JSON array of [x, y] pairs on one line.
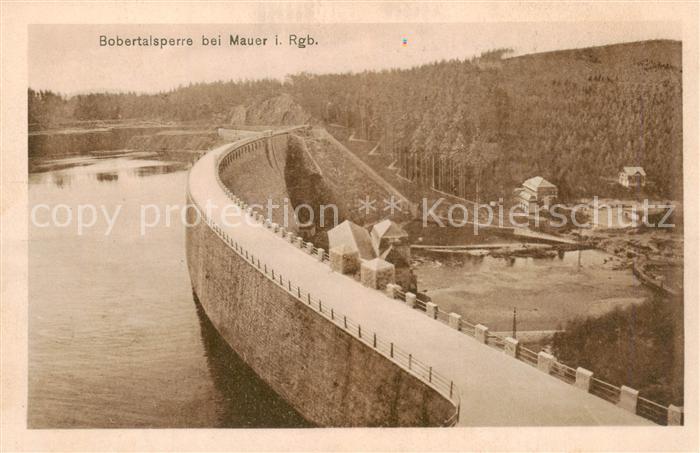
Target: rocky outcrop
[[276, 111], [237, 115]]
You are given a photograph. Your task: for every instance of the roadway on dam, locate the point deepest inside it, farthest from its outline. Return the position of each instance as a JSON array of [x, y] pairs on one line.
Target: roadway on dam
[[495, 390]]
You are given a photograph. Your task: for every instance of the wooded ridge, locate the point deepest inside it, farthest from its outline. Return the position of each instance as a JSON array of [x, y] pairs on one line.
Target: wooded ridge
[[574, 117]]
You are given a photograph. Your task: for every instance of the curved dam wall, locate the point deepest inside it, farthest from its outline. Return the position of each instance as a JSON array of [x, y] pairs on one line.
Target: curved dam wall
[[307, 172], [258, 174], [330, 376]]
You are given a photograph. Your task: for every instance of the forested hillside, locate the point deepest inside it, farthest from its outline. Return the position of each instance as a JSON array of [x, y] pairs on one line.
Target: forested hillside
[[574, 117], [640, 346]]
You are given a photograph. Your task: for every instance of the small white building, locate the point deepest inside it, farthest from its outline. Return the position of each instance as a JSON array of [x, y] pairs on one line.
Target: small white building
[[536, 192], [632, 177]]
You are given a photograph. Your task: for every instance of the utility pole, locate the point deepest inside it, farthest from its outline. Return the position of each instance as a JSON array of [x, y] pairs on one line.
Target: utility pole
[[478, 175], [579, 259], [515, 330]]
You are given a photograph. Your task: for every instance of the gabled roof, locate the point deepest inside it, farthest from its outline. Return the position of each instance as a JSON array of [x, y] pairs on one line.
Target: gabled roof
[[388, 229], [538, 182], [631, 171], [525, 195], [353, 236]]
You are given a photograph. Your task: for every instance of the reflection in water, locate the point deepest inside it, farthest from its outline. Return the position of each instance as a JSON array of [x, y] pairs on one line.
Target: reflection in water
[[103, 168], [107, 177], [151, 170], [60, 180], [247, 400]]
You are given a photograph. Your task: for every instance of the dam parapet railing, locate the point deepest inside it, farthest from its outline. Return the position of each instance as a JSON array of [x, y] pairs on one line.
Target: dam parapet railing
[[622, 396], [389, 350]]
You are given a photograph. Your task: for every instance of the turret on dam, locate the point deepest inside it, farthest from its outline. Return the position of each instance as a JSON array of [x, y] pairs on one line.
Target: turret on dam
[[341, 353]]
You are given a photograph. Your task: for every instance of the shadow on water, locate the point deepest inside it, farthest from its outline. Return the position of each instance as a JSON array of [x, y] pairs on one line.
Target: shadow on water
[[107, 176], [164, 169], [248, 402]]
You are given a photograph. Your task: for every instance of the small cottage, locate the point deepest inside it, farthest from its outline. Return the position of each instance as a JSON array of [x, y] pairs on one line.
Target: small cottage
[[536, 192], [632, 177]]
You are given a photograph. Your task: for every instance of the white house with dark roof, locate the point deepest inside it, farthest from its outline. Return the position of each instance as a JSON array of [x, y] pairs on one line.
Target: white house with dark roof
[[633, 177], [536, 192]]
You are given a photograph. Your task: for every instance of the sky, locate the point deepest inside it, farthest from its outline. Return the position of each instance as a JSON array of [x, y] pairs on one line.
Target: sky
[[69, 59]]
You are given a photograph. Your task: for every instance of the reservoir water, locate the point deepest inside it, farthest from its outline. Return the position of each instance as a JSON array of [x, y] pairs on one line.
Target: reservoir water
[[115, 337]]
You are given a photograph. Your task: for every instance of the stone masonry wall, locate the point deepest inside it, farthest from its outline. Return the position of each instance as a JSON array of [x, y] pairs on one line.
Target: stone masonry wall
[[327, 375], [257, 176]]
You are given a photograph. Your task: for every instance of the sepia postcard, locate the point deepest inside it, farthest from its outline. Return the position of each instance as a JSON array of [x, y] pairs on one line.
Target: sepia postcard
[[349, 226]]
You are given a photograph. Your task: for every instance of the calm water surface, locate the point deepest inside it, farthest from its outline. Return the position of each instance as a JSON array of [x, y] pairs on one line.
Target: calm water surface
[[115, 338]]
